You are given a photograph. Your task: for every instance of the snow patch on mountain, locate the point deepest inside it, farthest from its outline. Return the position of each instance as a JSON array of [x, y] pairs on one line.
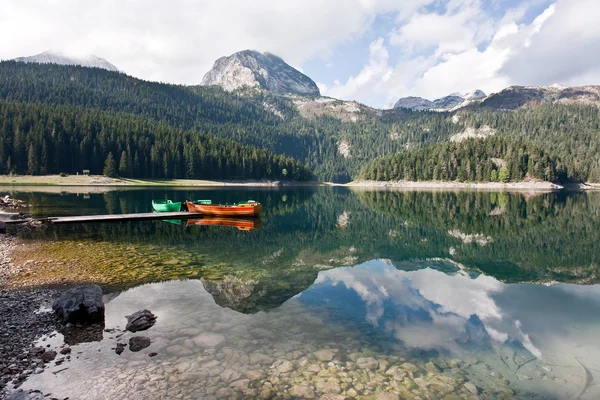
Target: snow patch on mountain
[[57, 57]]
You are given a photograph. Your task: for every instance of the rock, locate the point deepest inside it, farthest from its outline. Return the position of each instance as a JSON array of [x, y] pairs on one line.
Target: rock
[[250, 68], [80, 304], [324, 355], [153, 354], [120, 348], [138, 343], [367, 363], [283, 366], [66, 350], [23, 395], [229, 375], [208, 340], [396, 372], [240, 385], [48, 356], [328, 387], [432, 367], [259, 358], [471, 387], [140, 321], [332, 396], [410, 367], [302, 392], [386, 396]]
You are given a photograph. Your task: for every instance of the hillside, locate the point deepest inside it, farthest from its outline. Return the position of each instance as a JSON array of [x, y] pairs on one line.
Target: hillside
[[51, 139], [334, 139], [258, 118], [495, 159]]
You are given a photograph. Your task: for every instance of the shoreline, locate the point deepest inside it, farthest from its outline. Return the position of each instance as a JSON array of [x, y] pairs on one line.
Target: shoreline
[[441, 185], [102, 184], [102, 181], [23, 322]]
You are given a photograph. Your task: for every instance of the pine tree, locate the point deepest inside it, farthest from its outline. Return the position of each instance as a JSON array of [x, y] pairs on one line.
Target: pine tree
[[110, 168], [503, 175], [32, 161], [124, 165]]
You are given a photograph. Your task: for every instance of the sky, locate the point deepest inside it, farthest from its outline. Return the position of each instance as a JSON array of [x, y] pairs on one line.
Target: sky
[[371, 51]]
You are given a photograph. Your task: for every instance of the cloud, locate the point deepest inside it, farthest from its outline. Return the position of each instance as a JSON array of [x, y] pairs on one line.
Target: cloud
[[465, 48], [178, 41], [563, 48], [426, 48], [463, 26]]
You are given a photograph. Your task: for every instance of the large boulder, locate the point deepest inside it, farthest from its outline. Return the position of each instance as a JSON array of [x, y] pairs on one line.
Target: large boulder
[[81, 304], [140, 321]]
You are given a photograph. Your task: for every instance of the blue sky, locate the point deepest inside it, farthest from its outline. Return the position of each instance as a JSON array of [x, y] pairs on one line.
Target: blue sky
[[371, 51]]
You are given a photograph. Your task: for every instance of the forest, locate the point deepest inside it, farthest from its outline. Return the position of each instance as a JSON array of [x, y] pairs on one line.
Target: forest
[[555, 142], [495, 159], [235, 116], [50, 139]]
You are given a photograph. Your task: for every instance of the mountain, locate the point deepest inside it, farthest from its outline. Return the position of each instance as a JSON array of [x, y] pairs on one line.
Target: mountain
[[451, 102], [56, 57], [448, 102], [515, 97], [332, 138], [250, 68], [414, 103]]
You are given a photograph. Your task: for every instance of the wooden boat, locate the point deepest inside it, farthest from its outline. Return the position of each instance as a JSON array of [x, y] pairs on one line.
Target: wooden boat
[[249, 208], [243, 224], [166, 206]]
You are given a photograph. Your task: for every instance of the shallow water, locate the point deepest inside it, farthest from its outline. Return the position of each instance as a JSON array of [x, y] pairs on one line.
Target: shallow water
[[422, 295]]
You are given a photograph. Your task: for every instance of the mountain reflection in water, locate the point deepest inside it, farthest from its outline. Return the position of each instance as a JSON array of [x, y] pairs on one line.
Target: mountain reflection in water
[[528, 341], [422, 294]]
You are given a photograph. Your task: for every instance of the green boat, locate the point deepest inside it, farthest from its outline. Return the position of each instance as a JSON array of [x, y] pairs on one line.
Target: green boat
[[166, 206]]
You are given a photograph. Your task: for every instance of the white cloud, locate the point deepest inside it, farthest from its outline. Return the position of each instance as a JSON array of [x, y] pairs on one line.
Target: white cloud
[[427, 53], [563, 47], [463, 26], [178, 40], [464, 49]]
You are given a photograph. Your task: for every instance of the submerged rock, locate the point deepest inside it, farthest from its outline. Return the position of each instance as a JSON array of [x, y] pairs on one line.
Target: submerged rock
[[80, 304], [324, 355], [140, 321], [138, 343], [48, 356], [120, 348]]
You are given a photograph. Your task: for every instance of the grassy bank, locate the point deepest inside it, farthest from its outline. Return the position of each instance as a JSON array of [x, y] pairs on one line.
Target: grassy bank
[[99, 180]]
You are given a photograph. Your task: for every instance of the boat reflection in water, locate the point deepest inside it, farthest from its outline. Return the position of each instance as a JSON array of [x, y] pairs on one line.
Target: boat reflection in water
[[243, 224]]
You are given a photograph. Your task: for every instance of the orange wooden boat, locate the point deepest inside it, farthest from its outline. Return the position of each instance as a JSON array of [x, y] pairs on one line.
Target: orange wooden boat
[[243, 224], [250, 208]]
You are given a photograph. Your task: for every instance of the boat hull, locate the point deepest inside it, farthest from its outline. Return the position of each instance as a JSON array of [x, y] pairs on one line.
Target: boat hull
[[166, 207], [240, 210]]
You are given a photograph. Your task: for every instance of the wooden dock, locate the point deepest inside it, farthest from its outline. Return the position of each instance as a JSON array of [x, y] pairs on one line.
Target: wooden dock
[[123, 217]]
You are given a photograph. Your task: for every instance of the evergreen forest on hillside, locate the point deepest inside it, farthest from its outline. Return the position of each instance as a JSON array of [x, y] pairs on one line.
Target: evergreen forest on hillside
[[46, 139], [163, 130], [495, 159]]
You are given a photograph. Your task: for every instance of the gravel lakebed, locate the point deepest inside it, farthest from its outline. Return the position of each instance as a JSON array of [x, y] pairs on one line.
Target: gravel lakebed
[[24, 316]]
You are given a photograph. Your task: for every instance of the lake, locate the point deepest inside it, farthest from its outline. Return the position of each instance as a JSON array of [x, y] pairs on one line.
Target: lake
[[362, 294]]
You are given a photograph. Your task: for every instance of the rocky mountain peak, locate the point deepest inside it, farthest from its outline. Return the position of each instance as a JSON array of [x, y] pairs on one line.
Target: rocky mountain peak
[[446, 103], [414, 103], [57, 57], [250, 68]]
